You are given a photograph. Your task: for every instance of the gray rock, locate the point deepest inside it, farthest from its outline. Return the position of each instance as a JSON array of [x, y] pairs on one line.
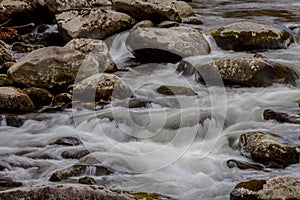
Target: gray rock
[[247, 36], [14, 100], [75, 192], [269, 149], [155, 10], [166, 44], [74, 154], [281, 187], [101, 86], [92, 23], [245, 71], [96, 49], [5, 55]]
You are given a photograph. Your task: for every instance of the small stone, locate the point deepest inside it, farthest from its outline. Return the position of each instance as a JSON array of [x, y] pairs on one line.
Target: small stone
[[66, 141], [175, 90], [74, 154], [87, 181]]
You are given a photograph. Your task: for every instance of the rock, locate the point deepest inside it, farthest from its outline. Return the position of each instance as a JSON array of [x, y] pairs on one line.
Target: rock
[[59, 6], [3, 80], [269, 149], [66, 141], [100, 3], [166, 45], [245, 71], [93, 23], [40, 97], [63, 99], [13, 100], [131, 103], [154, 10], [24, 47], [281, 187], [15, 120], [87, 181], [45, 39], [168, 24], [5, 66], [143, 24], [175, 90], [74, 154], [245, 165], [101, 86], [250, 36], [5, 55], [78, 170], [192, 20], [282, 117], [96, 49], [7, 183], [75, 192], [53, 68]]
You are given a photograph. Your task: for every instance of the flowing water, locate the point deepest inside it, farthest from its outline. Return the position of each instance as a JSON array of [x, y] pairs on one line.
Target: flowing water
[[163, 148]]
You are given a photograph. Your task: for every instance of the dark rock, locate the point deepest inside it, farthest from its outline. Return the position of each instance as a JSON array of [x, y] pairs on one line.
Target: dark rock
[[45, 39], [281, 187], [166, 45], [249, 36], [175, 90], [87, 181], [143, 24], [282, 117], [78, 170], [15, 120], [3, 80], [40, 97], [5, 55], [74, 154], [131, 103], [75, 192], [5, 66], [24, 47], [101, 86], [245, 165], [93, 23], [53, 109], [7, 183], [66, 141], [13, 100], [269, 149], [168, 24], [63, 99], [245, 71], [155, 10]]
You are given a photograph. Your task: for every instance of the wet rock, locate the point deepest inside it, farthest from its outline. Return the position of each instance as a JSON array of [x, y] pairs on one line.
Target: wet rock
[[192, 20], [282, 117], [281, 187], [131, 103], [3, 80], [93, 23], [106, 4], [53, 68], [175, 90], [155, 10], [66, 141], [168, 24], [166, 45], [63, 99], [5, 55], [96, 49], [245, 71], [13, 100], [101, 86], [87, 181], [52, 109], [59, 6], [143, 24], [75, 192], [249, 36], [40, 97], [78, 170], [5, 66], [24, 47], [7, 183], [15, 120], [269, 149], [245, 165], [74, 154], [45, 39]]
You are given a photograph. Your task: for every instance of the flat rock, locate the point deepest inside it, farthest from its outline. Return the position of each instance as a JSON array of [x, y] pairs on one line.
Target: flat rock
[[166, 44], [92, 23], [250, 36], [281, 187], [245, 71], [13, 100], [155, 10]]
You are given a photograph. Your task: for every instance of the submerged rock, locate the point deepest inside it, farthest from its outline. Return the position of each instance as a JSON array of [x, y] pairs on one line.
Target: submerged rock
[[40, 97], [75, 192], [92, 23], [101, 86], [249, 36], [166, 44], [282, 117], [269, 149], [175, 90], [5, 55], [245, 71], [96, 49], [281, 187], [13, 100], [143, 24], [66, 141], [155, 10]]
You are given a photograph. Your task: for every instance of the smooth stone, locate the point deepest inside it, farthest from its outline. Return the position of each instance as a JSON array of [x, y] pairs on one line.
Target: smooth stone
[[245, 165], [168, 24], [175, 90], [66, 141]]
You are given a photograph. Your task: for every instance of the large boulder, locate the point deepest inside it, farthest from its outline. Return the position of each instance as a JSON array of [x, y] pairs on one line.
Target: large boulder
[[13, 100], [92, 23], [281, 187], [245, 71], [5, 55], [52, 68], [166, 44], [155, 10], [75, 192], [269, 149], [101, 86], [96, 49], [248, 36]]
